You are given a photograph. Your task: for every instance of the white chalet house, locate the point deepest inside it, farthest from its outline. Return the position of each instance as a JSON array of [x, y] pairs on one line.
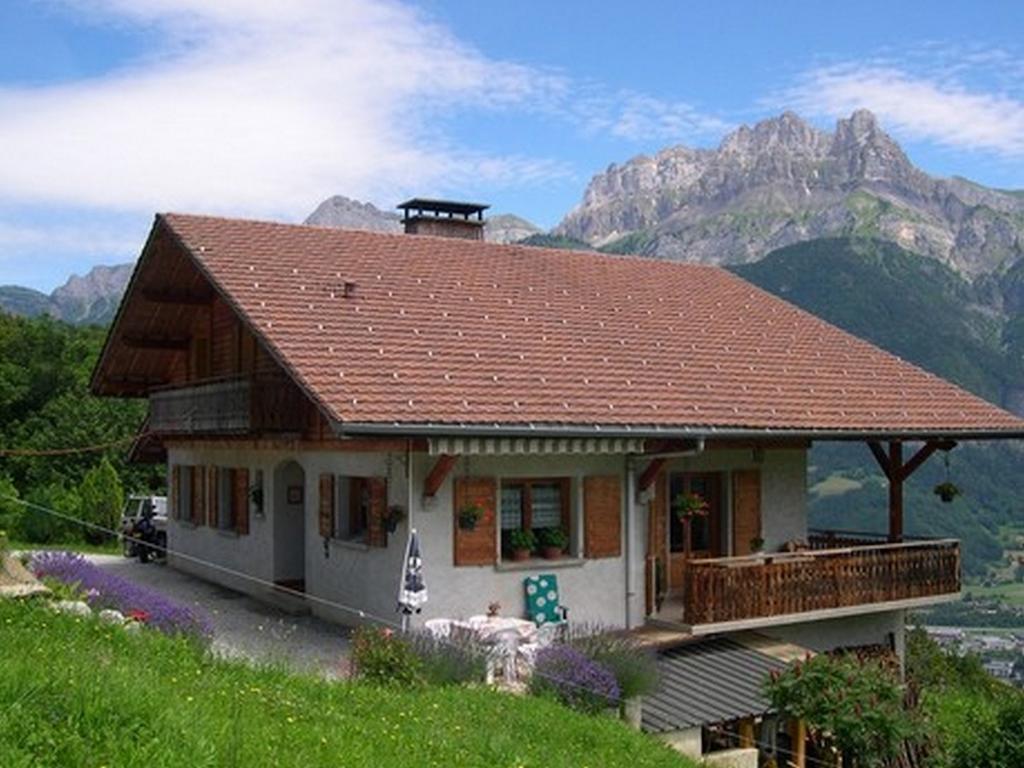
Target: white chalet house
[[308, 385]]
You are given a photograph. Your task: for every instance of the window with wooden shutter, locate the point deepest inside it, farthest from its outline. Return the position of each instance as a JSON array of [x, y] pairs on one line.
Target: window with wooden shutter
[[376, 533], [326, 506], [478, 546], [602, 516], [746, 511], [534, 504], [240, 501]]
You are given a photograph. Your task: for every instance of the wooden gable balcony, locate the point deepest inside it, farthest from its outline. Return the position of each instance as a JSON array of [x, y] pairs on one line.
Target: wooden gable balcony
[[257, 404], [836, 577]]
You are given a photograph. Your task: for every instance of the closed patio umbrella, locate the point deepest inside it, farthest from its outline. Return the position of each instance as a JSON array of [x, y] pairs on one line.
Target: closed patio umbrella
[[412, 591]]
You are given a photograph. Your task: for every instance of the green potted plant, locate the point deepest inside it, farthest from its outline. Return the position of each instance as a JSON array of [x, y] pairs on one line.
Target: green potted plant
[[470, 515], [522, 542], [756, 544], [553, 542], [947, 491], [394, 516]]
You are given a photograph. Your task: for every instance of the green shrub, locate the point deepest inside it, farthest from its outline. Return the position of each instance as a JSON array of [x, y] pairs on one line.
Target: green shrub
[[854, 703], [102, 499], [383, 657], [634, 667]]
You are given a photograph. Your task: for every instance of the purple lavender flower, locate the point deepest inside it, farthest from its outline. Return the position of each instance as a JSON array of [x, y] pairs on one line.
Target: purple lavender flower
[[577, 681], [106, 590]]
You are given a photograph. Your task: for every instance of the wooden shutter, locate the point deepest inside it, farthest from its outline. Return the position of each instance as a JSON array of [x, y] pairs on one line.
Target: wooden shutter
[[326, 509], [602, 516], [746, 510], [198, 487], [476, 547], [174, 493], [213, 486], [240, 500], [376, 533]]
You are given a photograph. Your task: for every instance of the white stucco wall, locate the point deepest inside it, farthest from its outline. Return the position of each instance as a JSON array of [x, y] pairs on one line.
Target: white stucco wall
[[366, 579]]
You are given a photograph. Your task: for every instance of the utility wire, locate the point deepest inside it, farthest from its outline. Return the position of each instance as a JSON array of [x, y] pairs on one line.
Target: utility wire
[[9, 452]]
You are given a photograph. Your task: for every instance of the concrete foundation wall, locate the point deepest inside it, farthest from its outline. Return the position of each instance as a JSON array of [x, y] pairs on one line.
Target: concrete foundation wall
[[851, 631]]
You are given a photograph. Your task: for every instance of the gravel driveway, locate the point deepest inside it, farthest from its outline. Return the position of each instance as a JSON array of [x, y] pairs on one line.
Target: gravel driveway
[[244, 627]]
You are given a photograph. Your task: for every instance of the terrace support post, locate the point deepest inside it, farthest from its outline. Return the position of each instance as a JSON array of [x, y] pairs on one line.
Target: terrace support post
[[746, 733], [896, 478], [798, 735]]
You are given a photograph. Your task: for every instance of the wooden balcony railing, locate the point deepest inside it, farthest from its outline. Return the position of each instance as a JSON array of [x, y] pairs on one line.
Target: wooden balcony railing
[[241, 405], [736, 589]]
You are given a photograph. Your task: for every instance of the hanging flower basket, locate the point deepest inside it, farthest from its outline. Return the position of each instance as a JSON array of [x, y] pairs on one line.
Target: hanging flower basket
[[470, 515], [687, 505], [947, 491], [394, 516]]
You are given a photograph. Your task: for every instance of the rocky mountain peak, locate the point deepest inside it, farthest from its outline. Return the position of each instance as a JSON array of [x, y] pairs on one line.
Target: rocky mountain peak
[[785, 133], [784, 181]]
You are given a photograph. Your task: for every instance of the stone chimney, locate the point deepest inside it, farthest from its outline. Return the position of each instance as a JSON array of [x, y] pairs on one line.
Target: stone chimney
[[443, 218]]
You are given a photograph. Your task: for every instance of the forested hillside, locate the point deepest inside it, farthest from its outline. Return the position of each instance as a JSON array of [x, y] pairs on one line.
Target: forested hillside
[[919, 309], [45, 406]]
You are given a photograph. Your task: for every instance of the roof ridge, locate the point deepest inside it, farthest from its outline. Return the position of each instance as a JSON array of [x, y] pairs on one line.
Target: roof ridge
[[462, 242]]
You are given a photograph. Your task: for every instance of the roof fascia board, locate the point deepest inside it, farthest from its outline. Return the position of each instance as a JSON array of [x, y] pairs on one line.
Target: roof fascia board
[[114, 332], [648, 431]]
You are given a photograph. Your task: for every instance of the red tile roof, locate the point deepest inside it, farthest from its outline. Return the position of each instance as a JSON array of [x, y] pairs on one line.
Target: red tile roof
[[446, 331]]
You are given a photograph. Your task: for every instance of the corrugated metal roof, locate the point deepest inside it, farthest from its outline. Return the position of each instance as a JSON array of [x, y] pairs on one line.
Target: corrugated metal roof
[[709, 681]]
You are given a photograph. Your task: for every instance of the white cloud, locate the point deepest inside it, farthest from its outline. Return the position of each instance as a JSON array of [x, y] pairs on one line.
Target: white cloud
[[639, 117], [262, 108], [934, 106]]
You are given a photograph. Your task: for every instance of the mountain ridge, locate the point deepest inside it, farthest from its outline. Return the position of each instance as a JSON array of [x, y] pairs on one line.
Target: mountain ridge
[[784, 181]]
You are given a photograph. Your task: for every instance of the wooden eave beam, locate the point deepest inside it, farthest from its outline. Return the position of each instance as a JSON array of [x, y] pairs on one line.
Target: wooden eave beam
[[650, 473], [924, 454], [881, 457], [442, 467], [179, 343], [177, 297]]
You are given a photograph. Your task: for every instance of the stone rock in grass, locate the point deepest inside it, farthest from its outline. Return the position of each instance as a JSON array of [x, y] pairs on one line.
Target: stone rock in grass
[[72, 607], [110, 616]]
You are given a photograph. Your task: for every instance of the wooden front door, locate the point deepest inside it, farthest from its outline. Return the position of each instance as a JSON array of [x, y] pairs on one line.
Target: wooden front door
[[705, 531], [746, 510]]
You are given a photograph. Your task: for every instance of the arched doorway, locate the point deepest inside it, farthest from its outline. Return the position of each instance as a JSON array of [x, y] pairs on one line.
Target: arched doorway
[[290, 525]]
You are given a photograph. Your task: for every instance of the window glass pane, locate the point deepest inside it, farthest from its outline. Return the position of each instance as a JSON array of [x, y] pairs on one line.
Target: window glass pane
[[511, 507], [546, 503], [341, 507], [225, 518]]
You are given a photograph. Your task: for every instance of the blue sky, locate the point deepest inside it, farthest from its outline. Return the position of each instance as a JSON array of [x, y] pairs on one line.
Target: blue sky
[[111, 110]]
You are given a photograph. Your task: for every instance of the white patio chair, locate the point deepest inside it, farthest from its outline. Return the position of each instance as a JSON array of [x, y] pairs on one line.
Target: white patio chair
[[502, 655]]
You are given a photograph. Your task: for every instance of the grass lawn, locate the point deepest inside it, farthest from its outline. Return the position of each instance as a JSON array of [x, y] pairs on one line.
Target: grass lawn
[[75, 692]]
